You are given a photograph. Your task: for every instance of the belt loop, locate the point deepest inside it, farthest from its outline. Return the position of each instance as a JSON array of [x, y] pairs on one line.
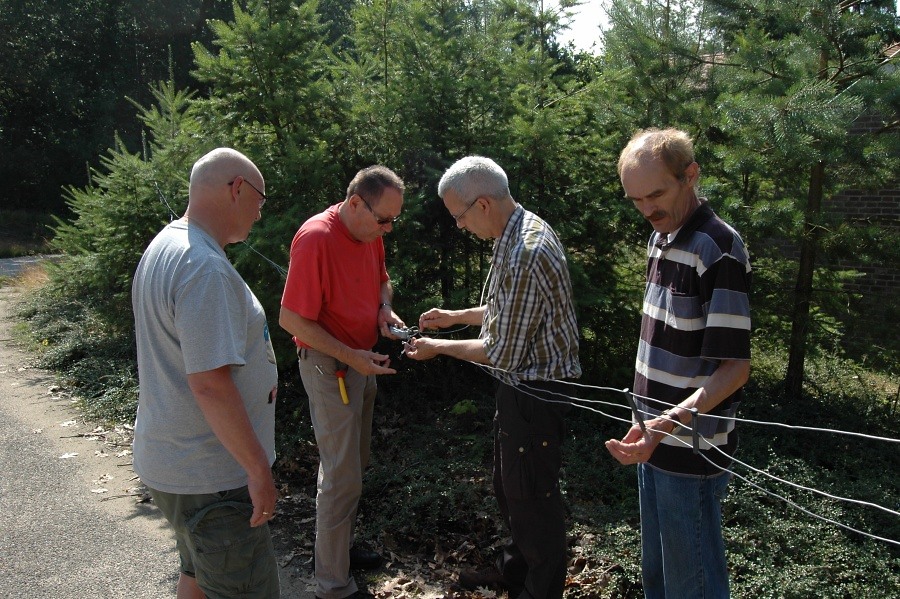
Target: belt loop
[[302, 352]]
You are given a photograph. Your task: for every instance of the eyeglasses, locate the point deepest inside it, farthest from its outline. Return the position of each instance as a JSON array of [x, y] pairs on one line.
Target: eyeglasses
[[460, 215], [262, 197], [378, 219]]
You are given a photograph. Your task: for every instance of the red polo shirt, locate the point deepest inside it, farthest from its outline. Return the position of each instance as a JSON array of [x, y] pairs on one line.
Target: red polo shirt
[[336, 280]]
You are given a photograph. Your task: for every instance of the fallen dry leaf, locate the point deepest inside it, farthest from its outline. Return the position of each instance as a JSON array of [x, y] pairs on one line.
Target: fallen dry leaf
[[287, 559]]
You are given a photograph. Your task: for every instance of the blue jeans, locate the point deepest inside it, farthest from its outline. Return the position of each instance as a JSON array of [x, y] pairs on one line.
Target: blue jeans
[[683, 554]]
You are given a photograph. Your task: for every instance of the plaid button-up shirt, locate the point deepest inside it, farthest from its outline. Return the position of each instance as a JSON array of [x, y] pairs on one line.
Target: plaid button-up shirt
[[529, 329]]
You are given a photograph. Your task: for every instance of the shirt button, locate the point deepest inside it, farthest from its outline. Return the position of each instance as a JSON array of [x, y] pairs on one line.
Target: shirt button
[[544, 444], [521, 450]]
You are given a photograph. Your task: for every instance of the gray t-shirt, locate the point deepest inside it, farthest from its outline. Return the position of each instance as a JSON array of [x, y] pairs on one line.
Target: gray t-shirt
[[193, 312]]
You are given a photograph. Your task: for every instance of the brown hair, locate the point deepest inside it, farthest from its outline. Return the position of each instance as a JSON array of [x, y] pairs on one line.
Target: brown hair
[[371, 181], [673, 146]]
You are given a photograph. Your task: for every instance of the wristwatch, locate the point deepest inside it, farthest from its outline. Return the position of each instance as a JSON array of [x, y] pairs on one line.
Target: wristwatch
[[670, 415]]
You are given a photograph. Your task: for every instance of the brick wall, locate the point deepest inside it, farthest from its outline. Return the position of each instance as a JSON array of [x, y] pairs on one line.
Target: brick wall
[[879, 207], [878, 288]]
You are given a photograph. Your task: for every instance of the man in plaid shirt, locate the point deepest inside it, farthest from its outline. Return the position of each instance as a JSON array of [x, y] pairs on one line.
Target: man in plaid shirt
[[529, 337]]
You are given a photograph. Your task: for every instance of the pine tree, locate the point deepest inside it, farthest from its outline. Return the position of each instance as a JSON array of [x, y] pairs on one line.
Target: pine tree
[[84, 313], [799, 75], [271, 97], [770, 92]]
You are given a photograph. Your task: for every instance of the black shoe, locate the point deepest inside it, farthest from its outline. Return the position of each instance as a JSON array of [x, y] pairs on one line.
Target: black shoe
[[489, 578], [472, 580], [363, 559], [359, 595]]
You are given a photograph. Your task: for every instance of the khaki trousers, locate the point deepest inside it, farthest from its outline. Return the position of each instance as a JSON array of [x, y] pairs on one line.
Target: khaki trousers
[[343, 435]]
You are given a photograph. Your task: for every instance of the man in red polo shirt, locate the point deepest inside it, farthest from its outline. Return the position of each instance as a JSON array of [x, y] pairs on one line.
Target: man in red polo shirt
[[336, 301]]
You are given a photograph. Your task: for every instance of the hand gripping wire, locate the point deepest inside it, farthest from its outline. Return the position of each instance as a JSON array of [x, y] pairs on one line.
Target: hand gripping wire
[[404, 334]]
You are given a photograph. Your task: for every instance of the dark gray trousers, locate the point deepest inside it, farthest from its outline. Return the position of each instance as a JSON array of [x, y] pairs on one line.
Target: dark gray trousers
[[528, 438]]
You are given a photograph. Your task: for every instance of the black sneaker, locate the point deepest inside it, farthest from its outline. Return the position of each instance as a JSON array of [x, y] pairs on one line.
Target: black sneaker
[[488, 578], [363, 559], [360, 559]]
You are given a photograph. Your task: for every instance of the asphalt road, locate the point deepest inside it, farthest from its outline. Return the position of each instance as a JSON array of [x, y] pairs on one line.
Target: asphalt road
[[10, 267], [71, 523], [59, 538]]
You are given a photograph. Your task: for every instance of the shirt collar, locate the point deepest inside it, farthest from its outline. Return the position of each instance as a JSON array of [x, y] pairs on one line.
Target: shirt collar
[[507, 238], [699, 216]]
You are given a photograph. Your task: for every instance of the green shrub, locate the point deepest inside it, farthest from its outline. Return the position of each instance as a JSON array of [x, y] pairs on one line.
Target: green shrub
[[430, 484]]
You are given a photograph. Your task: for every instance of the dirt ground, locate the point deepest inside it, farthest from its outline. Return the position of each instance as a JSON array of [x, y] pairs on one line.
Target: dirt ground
[[99, 491]]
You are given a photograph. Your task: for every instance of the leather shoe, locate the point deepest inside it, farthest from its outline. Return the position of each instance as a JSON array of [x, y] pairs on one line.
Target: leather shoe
[[363, 559], [472, 580], [491, 578]]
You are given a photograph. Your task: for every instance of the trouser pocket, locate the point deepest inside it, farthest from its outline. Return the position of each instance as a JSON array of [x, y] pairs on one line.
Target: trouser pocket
[[230, 556]]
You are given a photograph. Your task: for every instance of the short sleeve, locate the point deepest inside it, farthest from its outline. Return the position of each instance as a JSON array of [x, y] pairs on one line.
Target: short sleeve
[[211, 321]]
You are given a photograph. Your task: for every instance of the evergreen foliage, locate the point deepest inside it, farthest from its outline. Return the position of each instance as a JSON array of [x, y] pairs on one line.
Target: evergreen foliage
[[799, 76], [313, 91], [84, 313], [771, 92], [66, 69], [271, 96]]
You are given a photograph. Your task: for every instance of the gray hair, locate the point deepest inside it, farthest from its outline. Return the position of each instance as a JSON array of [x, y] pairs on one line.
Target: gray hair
[[475, 176]]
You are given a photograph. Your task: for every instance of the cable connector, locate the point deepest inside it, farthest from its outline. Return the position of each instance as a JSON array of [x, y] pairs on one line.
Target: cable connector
[[403, 333]]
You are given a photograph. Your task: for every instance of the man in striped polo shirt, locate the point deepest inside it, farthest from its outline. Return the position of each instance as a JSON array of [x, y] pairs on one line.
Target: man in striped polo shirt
[[693, 359], [530, 338]]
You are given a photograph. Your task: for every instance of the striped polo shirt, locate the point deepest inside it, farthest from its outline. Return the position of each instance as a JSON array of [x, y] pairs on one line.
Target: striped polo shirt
[[529, 330], [696, 312]]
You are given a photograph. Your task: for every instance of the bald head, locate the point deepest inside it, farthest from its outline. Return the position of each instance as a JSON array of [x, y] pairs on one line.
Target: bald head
[[213, 171], [225, 195]]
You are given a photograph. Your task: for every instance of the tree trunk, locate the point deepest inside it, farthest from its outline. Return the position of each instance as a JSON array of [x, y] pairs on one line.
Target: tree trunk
[[803, 289]]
